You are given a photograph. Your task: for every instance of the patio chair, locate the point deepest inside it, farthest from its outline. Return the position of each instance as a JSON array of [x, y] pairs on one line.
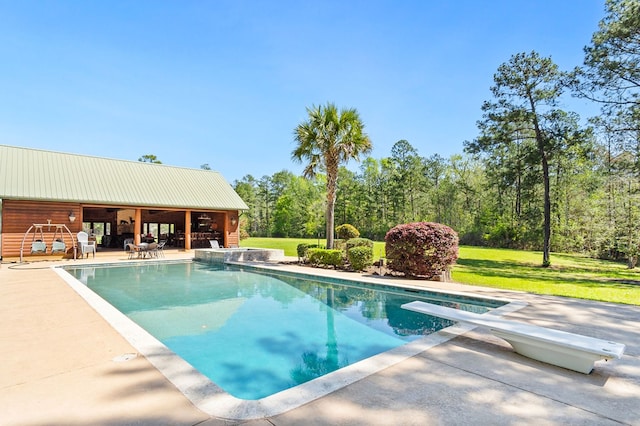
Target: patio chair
[[160, 248], [127, 241], [85, 245], [134, 251], [152, 249], [214, 244]]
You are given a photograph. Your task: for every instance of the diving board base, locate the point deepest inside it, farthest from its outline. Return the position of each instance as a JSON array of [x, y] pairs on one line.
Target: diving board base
[[567, 350], [557, 355]]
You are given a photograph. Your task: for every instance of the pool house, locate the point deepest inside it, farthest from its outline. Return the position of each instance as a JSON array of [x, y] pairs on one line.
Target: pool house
[[50, 196]]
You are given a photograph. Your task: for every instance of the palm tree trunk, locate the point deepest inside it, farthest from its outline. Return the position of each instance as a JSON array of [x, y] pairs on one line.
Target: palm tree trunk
[[330, 217], [332, 188]]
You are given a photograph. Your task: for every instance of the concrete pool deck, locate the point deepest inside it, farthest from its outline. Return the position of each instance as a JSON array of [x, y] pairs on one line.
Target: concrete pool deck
[[62, 363]]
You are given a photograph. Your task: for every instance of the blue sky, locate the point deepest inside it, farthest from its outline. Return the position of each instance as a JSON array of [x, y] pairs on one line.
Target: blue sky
[[226, 82]]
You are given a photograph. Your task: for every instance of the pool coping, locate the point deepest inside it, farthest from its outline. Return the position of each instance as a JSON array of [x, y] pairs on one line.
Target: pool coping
[[213, 400]]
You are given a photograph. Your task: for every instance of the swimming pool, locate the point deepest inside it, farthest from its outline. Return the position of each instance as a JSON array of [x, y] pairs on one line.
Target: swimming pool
[[256, 333]]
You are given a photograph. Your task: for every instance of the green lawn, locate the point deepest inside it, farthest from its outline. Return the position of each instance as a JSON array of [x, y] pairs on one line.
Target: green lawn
[[569, 274]]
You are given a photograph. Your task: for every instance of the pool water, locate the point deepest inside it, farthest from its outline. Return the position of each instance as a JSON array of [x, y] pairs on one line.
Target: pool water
[[255, 334]]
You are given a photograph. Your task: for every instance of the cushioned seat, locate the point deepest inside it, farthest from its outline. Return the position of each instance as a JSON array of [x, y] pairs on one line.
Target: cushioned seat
[[58, 247], [38, 247]]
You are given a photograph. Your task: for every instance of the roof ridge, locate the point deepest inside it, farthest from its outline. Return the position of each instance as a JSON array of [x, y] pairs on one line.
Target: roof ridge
[[103, 158]]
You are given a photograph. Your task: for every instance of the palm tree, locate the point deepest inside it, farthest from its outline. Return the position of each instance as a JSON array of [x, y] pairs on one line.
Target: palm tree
[[326, 140]]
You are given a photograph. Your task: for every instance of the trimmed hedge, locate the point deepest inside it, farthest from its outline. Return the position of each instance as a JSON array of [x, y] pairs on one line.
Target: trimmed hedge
[[339, 244], [421, 249], [328, 257], [359, 242], [346, 232], [303, 248], [360, 257]]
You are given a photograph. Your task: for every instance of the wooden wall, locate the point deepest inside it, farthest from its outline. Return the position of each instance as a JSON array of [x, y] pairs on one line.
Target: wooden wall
[[18, 216], [232, 232]]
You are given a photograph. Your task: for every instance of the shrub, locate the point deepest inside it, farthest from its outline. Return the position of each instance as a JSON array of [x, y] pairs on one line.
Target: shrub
[[339, 244], [242, 226], [360, 257], [315, 256], [334, 258], [327, 257], [302, 250], [359, 242], [347, 231], [421, 249], [244, 234]]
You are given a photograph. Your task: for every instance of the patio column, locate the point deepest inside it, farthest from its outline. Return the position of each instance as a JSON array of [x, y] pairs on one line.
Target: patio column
[[187, 230], [137, 227]]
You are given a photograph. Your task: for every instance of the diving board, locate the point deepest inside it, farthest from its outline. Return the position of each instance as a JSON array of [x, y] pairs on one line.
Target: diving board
[[567, 350]]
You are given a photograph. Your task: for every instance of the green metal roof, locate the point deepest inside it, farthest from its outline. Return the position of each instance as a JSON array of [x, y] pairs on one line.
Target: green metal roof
[[32, 174]]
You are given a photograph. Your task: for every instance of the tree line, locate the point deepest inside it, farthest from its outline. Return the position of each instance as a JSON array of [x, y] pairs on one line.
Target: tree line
[[534, 178]]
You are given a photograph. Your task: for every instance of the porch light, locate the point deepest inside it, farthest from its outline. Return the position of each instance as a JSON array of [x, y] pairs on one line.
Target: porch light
[[72, 217], [233, 221]]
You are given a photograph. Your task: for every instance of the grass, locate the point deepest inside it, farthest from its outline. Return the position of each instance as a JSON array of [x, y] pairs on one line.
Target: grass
[[569, 275]]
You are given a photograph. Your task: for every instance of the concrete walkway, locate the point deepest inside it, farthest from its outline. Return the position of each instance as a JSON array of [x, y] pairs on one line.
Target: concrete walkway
[[61, 363]]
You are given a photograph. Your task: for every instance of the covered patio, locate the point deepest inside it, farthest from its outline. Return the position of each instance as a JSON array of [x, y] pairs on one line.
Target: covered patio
[[114, 201], [187, 229]]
